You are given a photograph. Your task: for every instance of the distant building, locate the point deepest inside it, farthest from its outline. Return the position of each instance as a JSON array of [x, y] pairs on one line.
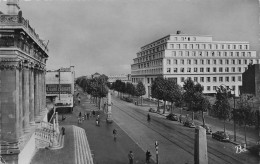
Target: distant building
[[124, 78], [181, 56], [251, 80], [60, 88]]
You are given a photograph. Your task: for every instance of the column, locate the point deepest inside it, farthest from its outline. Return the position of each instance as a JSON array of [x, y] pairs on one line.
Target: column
[[26, 97], [17, 103], [40, 90], [21, 99], [36, 93], [31, 95]]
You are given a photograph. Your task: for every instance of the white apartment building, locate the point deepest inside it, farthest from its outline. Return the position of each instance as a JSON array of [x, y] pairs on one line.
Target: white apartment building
[[180, 56]]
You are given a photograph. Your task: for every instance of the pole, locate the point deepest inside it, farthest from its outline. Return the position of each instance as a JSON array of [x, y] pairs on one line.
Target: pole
[[59, 84], [157, 153]]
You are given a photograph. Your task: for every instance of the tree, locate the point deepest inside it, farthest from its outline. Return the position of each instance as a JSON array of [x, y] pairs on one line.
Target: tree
[[222, 107], [157, 89], [244, 114], [173, 91], [140, 90], [202, 105], [192, 94]]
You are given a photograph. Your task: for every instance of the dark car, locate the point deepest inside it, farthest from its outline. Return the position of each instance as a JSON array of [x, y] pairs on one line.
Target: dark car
[[189, 124], [152, 110], [221, 136], [172, 117], [208, 129]]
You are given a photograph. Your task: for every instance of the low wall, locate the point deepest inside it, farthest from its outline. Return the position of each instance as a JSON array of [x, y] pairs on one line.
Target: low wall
[[28, 151]]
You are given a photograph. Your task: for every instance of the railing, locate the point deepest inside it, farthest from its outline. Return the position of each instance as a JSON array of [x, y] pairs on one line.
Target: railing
[[15, 20]]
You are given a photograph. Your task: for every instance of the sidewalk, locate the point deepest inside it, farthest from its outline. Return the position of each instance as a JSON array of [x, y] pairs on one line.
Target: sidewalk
[[103, 147]]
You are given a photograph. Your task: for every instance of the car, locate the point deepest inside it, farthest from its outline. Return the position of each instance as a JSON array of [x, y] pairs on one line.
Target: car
[[221, 136], [189, 124], [172, 117], [208, 129], [152, 110]]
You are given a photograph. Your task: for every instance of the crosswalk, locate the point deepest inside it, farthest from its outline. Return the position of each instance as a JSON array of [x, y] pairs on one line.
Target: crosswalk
[[82, 150]]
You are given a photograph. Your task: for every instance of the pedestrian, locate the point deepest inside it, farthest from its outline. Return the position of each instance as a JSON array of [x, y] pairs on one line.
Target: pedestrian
[[131, 157], [85, 115], [114, 133], [148, 117], [79, 114], [97, 120], [93, 113], [88, 115], [63, 131], [79, 100], [148, 156]]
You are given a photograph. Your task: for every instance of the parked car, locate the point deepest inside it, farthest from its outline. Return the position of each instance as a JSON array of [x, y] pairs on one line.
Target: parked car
[[172, 117], [208, 129], [221, 136], [152, 110], [189, 123]]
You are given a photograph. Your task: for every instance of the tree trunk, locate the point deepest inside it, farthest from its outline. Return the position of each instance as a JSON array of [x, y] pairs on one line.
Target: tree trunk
[[224, 126], [158, 106], [164, 106], [203, 118], [99, 106], [245, 133], [171, 107], [192, 115]]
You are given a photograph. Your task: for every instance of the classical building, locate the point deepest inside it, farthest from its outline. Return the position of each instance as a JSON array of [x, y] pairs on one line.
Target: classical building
[[124, 78], [181, 56], [23, 58], [60, 88]]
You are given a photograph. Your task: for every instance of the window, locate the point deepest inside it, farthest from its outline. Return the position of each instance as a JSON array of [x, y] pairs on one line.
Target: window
[[173, 53], [180, 53], [195, 69], [233, 79], [168, 61], [182, 69], [201, 61], [233, 61], [245, 61], [201, 79], [168, 70], [214, 88], [195, 79], [208, 79], [243, 54], [227, 61], [208, 88], [182, 79], [239, 61], [214, 69], [182, 61], [239, 78], [214, 79], [228, 46], [208, 61], [233, 69], [220, 79], [234, 46], [201, 69], [208, 69], [240, 47], [227, 79], [178, 46], [191, 46], [188, 69], [214, 61], [175, 69], [220, 69], [187, 53], [185, 46], [195, 61], [246, 47], [220, 61], [226, 69], [189, 61], [239, 69], [175, 61], [148, 80], [231, 54]]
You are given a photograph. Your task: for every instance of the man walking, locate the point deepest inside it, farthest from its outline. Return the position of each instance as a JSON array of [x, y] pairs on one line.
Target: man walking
[[131, 157]]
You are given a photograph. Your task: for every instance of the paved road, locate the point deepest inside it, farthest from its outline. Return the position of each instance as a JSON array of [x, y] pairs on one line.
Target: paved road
[[176, 142]]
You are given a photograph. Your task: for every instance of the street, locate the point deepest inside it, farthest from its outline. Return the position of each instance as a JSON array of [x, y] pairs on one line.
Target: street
[[176, 142]]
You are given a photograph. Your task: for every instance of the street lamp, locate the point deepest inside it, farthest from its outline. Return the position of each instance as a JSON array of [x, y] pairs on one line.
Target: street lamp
[[234, 120]]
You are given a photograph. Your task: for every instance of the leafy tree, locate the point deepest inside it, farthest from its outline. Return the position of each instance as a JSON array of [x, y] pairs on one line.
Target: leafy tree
[[173, 92], [244, 114], [192, 94], [222, 107], [202, 105], [140, 90], [157, 89]]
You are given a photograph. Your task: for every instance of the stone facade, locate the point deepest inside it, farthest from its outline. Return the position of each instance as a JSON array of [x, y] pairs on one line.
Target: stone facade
[[22, 79]]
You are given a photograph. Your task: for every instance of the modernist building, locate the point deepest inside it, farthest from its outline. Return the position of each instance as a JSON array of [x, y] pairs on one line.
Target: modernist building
[[180, 56], [23, 58], [60, 88], [251, 80]]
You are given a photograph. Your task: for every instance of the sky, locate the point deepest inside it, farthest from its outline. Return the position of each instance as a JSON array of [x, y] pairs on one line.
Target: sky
[[104, 35]]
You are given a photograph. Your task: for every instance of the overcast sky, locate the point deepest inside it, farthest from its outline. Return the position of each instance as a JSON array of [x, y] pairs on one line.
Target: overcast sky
[[105, 35]]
